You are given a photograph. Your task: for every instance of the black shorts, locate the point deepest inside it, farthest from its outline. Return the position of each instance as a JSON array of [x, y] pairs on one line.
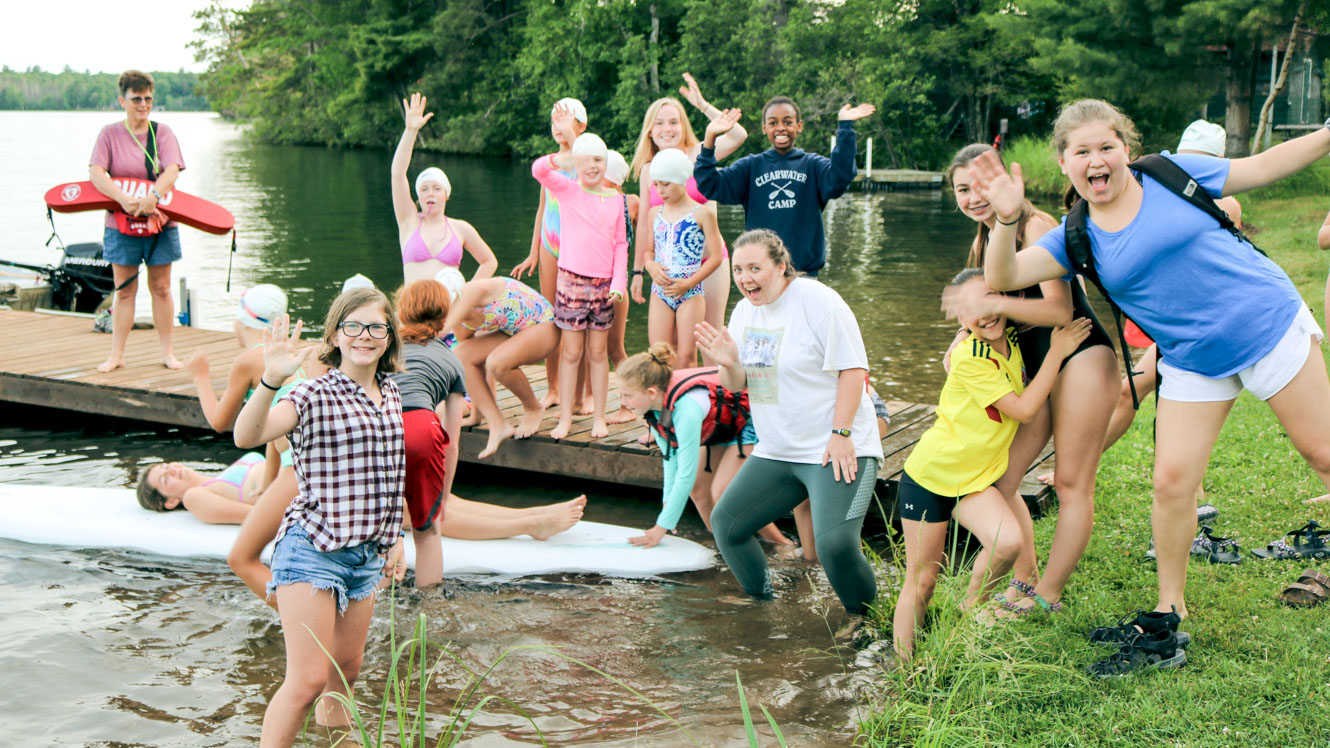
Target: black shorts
[[921, 505]]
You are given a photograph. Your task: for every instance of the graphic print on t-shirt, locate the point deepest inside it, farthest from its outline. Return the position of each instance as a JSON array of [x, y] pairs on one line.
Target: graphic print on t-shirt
[[759, 356], [780, 185]]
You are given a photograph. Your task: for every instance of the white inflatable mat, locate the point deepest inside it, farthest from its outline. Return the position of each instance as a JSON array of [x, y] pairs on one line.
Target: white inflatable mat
[[112, 518]]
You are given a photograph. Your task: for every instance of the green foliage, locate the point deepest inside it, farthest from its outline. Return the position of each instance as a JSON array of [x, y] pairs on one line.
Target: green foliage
[[942, 72], [1043, 177], [71, 90]]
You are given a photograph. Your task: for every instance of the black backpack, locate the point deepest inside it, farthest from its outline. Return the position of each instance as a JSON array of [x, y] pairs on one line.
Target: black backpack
[[1081, 255]]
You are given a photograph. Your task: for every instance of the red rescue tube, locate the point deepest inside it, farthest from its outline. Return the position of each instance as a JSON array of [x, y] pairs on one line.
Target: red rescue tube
[[1136, 337], [75, 197]]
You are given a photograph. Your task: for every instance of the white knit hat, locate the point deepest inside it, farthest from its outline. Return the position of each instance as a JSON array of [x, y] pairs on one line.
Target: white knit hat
[[590, 145], [671, 165], [1205, 137], [616, 168], [577, 108], [260, 305], [434, 174]]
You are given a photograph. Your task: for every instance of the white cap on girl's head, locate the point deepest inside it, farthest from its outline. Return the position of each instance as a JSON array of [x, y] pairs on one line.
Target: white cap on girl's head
[[577, 108], [671, 165], [616, 168], [452, 279], [260, 305], [356, 281], [590, 145], [1206, 137], [434, 174]]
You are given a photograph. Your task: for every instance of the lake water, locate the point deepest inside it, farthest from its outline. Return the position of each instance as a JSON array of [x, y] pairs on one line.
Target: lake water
[[120, 648]]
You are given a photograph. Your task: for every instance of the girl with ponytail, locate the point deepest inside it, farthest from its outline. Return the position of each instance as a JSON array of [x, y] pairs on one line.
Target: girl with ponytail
[[689, 412]]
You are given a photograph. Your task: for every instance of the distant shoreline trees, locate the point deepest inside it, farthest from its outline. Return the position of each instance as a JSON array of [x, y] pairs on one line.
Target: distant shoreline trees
[[70, 90]]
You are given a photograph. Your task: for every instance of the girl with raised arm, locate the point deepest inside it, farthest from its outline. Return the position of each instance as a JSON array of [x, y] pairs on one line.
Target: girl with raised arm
[[346, 431], [666, 126], [1083, 397], [1224, 316], [783, 188], [432, 243]]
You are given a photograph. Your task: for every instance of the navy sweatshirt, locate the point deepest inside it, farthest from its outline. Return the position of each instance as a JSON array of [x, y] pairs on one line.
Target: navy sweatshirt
[[784, 193]]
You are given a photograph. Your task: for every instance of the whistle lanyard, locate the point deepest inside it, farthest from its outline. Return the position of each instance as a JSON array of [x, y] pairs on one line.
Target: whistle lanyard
[[152, 139]]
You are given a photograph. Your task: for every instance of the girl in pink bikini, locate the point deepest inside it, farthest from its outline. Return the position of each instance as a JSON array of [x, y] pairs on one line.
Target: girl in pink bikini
[[432, 243], [666, 126]]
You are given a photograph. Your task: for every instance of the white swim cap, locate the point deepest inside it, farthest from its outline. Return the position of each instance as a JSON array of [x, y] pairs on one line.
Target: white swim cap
[[590, 145], [671, 165], [260, 305], [616, 168], [356, 281], [1205, 137], [452, 279], [434, 174], [579, 111]]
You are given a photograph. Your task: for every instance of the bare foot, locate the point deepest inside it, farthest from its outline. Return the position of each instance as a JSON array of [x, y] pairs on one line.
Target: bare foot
[[110, 364], [530, 423], [472, 418], [588, 407], [551, 400], [550, 524], [1046, 479], [497, 435], [579, 503], [561, 430], [646, 439], [599, 430], [1318, 499], [772, 534], [624, 415], [171, 362]]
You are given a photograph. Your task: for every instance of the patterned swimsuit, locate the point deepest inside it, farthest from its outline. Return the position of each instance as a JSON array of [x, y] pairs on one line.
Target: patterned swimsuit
[[518, 308], [680, 248]]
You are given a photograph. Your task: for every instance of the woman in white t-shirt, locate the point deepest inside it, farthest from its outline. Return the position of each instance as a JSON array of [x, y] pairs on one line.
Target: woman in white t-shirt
[[795, 346]]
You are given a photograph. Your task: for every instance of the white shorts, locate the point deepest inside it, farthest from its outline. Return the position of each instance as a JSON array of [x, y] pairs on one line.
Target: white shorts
[[1264, 379]]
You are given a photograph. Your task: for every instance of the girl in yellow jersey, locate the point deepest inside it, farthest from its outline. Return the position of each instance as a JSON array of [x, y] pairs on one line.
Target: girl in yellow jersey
[[953, 468]]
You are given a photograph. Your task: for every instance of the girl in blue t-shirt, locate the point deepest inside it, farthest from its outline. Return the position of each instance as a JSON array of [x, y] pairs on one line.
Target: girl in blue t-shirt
[[1225, 317]]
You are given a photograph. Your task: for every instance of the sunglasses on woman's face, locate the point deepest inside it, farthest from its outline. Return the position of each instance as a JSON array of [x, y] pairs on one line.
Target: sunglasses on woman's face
[[138, 99], [378, 330]]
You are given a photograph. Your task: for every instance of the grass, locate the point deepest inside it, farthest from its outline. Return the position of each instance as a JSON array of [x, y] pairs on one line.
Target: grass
[[1043, 178], [1258, 673]]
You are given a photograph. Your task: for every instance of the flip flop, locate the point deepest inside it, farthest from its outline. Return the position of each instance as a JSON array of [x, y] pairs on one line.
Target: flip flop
[[1308, 542], [1312, 588]]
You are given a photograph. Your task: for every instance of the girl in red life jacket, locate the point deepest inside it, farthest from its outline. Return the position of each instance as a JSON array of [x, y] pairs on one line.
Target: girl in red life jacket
[[689, 412]]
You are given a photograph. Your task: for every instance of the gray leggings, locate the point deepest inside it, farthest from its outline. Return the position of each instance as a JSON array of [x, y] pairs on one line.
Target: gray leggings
[[765, 490]]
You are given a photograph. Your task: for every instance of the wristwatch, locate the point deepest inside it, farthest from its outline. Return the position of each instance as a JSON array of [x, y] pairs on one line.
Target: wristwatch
[[841, 432], [637, 271], [156, 194]]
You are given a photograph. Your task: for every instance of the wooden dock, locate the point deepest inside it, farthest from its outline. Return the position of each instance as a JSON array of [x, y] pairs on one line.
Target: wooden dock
[[52, 359], [897, 179]]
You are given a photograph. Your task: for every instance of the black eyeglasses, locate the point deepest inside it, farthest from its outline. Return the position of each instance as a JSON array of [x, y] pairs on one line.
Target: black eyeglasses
[[378, 330], [139, 99]]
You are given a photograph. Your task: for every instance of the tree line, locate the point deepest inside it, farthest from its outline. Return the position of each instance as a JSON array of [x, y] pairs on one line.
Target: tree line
[[941, 72], [69, 89]]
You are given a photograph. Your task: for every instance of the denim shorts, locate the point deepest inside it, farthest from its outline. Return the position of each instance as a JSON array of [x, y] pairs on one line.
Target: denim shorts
[[119, 249], [351, 573]]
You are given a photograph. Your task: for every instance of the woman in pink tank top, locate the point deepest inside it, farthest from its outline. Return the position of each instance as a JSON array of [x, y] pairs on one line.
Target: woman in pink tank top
[[667, 126], [431, 241]]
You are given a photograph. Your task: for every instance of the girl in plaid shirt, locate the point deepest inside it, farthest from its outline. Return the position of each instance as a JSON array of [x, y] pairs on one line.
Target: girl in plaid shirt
[[346, 431]]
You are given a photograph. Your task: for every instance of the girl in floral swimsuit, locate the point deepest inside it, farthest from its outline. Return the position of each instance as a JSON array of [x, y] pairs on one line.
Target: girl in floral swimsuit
[[502, 324]]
